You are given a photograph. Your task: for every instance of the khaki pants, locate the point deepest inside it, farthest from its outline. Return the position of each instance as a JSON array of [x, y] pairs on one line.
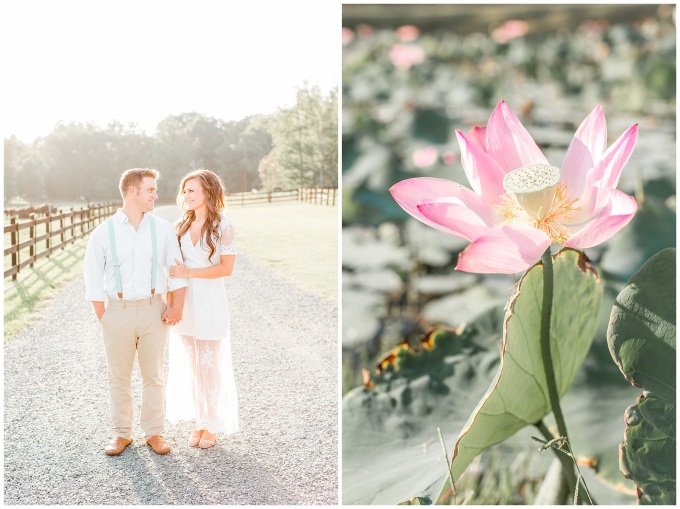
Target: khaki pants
[[131, 326]]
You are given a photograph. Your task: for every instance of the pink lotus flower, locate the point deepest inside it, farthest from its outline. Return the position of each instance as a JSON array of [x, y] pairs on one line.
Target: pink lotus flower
[[365, 31], [408, 33], [509, 30], [425, 157], [449, 157], [347, 36], [404, 56], [519, 204]]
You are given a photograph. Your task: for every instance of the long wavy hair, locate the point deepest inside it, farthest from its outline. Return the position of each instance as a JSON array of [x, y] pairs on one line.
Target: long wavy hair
[[214, 191]]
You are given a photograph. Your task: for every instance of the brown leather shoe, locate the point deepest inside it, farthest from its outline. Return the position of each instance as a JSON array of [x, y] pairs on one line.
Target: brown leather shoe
[[117, 445], [158, 444]]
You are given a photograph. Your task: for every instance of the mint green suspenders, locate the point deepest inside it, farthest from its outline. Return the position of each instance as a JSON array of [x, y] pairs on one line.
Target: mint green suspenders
[[154, 254], [114, 255]]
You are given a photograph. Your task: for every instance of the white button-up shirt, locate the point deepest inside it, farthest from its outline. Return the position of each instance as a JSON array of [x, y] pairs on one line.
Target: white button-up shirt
[[134, 251]]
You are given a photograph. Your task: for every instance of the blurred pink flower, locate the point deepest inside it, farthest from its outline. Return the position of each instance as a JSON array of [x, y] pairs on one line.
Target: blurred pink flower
[[449, 157], [408, 33], [519, 205], [425, 157], [404, 56], [365, 31], [347, 36], [509, 30]]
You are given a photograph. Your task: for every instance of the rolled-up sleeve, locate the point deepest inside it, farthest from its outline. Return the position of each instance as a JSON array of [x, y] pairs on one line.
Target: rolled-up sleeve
[[173, 252], [95, 262]]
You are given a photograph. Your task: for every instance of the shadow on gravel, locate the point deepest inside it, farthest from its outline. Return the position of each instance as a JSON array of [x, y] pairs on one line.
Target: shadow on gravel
[[193, 477]]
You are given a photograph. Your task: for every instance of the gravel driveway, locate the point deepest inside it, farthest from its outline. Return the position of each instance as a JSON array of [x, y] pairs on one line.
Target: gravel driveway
[[284, 343]]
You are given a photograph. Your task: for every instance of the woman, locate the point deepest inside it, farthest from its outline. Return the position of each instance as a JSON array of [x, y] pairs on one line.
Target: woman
[[200, 376]]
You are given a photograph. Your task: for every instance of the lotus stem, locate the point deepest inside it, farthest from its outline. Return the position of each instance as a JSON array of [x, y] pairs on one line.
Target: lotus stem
[[553, 394]]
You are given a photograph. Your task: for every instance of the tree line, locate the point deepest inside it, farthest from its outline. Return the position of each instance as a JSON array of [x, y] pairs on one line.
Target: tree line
[[294, 147]]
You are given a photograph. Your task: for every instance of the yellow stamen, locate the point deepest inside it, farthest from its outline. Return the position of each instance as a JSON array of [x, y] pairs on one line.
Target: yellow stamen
[[513, 213]]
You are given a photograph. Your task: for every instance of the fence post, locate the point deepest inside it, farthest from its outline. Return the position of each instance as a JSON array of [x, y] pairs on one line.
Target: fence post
[[15, 255], [269, 196], [61, 227], [73, 228], [48, 225], [31, 236]]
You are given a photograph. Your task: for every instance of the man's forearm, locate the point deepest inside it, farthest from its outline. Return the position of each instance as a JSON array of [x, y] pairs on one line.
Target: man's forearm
[[176, 299]]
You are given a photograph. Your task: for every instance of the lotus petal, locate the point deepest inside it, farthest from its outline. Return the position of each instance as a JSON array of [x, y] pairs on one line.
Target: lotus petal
[[504, 249], [586, 148], [509, 142], [618, 212], [411, 192]]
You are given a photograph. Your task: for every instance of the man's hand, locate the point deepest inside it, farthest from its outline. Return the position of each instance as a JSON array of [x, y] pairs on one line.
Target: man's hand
[[99, 309], [172, 315]]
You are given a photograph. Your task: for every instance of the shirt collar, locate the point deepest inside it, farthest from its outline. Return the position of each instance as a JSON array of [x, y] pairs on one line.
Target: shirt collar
[[123, 218]]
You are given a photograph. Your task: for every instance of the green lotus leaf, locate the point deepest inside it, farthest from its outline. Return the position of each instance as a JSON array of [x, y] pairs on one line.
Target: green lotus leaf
[[518, 395], [648, 452], [641, 332], [641, 338]]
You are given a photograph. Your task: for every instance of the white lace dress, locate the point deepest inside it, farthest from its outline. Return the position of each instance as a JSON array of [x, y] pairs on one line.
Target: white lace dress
[[201, 383]]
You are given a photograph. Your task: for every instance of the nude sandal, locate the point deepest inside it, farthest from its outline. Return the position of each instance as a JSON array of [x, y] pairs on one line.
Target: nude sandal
[[194, 440], [209, 443]]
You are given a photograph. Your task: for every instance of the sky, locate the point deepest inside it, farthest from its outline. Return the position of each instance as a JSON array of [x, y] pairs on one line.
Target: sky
[[100, 60]]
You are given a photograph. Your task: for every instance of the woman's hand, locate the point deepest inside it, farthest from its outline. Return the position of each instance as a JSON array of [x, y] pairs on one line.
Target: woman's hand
[[179, 270]]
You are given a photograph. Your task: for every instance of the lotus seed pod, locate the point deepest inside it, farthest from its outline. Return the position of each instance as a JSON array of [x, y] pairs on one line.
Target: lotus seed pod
[[533, 187]]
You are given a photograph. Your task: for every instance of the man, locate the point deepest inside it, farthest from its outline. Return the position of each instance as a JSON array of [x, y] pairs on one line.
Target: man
[[126, 265]]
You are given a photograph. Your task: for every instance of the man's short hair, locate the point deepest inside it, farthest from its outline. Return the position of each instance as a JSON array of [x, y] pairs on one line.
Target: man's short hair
[[134, 177]]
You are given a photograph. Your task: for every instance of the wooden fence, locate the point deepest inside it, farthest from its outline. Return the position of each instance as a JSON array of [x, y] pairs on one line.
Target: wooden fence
[[68, 225], [23, 240], [255, 198], [317, 195]]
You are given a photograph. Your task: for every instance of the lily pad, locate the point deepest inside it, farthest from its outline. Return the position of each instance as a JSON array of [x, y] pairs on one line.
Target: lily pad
[[457, 308], [442, 284], [641, 330], [361, 250], [431, 125], [518, 395], [391, 451], [641, 338], [648, 452], [360, 316]]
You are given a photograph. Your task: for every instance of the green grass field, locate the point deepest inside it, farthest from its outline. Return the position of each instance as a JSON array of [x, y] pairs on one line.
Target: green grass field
[[298, 240], [33, 287]]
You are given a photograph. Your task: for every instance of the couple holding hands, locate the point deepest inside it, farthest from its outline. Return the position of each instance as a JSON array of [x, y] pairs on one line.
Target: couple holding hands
[[132, 260]]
